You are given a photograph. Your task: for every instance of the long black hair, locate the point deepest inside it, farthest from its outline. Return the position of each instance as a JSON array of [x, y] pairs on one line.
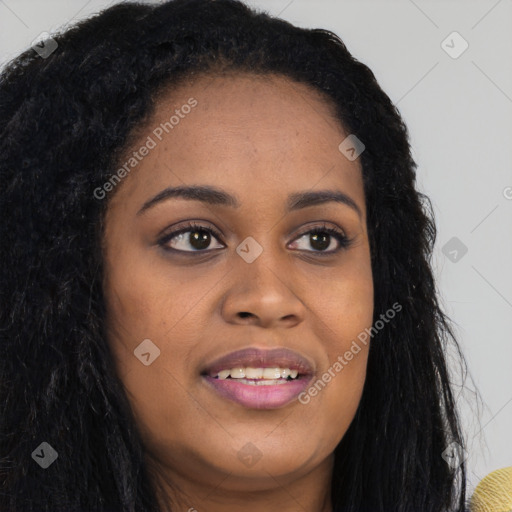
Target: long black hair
[[64, 120]]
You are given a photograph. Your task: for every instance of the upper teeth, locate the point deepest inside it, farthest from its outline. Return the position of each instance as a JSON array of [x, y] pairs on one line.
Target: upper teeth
[[257, 373]]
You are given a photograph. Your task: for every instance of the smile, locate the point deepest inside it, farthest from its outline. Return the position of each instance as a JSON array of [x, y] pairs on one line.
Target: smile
[[259, 379]]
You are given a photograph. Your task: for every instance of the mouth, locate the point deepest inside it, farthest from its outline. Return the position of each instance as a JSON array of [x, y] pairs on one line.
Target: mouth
[[259, 379]]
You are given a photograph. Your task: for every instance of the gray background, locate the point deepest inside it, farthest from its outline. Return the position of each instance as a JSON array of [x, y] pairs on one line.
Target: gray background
[[459, 114]]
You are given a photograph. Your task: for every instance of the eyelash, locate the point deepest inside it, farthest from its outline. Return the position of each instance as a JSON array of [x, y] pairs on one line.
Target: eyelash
[[343, 241]]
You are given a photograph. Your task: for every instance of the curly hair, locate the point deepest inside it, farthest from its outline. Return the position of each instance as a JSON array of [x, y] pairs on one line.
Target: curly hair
[[64, 122]]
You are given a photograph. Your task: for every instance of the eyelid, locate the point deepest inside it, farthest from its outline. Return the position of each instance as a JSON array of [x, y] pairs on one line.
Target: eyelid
[[319, 225], [188, 224]]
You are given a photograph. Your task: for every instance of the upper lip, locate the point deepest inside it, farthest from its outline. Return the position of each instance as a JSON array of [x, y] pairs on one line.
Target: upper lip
[[258, 358]]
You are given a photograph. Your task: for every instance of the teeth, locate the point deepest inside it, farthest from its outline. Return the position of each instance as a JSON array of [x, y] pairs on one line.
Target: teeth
[[253, 373], [237, 373], [267, 374], [272, 373]]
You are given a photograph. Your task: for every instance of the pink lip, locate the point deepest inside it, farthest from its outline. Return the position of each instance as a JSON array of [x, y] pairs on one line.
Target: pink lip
[[258, 358], [259, 397], [254, 396]]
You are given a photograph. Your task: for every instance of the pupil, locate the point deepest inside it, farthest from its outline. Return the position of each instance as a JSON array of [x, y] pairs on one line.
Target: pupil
[[322, 240], [199, 241]]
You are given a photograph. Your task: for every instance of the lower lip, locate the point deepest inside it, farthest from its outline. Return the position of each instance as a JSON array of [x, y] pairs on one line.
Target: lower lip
[[259, 397]]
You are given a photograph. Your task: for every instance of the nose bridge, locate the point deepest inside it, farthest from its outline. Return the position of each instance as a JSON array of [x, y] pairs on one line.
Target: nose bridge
[[262, 285], [260, 261]]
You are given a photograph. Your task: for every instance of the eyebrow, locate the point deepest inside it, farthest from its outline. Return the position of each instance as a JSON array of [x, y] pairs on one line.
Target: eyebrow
[[215, 196]]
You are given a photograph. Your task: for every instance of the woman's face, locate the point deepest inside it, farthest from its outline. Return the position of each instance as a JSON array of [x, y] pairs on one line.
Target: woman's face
[[177, 304]]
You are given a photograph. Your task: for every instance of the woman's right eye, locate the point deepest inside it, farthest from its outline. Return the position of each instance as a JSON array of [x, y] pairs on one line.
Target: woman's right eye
[[196, 236]]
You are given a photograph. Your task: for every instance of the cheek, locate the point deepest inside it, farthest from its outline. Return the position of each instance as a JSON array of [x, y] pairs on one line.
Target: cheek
[[144, 298], [134, 312], [160, 397], [343, 308], [344, 305], [139, 310], [143, 304]]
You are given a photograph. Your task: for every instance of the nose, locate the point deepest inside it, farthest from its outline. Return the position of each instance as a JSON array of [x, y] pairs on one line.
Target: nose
[[264, 296]]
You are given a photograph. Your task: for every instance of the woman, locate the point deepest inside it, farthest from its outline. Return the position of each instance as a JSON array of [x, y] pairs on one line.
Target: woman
[[216, 278]]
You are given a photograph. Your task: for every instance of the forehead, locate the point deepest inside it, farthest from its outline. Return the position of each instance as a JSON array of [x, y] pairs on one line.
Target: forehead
[[256, 136]]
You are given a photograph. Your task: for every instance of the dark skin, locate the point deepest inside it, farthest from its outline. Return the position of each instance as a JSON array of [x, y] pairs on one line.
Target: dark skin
[[259, 139]]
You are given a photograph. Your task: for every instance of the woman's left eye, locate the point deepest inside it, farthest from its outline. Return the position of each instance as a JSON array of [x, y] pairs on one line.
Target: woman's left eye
[[200, 237], [321, 238]]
